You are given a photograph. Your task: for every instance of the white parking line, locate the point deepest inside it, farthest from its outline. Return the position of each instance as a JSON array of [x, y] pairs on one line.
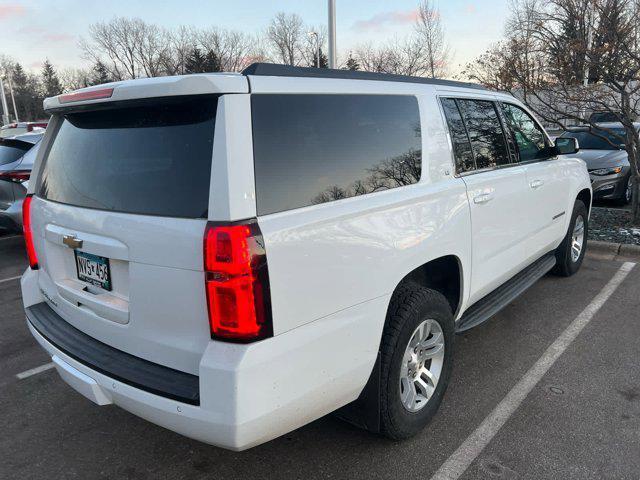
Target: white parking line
[[9, 237], [10, 279], [35, 371], [466, 453]]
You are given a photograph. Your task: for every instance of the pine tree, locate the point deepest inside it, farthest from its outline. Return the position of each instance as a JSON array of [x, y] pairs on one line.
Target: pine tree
[[195, 61], [352, 63], [51, 85], [212, 62], [26, 90], [100, 74]]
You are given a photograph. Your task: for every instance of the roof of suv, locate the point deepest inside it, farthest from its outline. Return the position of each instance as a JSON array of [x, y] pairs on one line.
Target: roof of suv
[[222, 82]]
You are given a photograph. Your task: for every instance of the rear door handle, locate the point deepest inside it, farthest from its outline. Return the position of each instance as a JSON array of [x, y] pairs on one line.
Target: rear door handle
[[536, 183], [482, 198]]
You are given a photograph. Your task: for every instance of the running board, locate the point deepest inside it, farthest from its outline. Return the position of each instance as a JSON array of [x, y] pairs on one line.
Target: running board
[[492, 303]]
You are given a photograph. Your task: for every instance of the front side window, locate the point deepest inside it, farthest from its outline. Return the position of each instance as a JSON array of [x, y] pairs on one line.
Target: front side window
[[459, 138], [485, 133], [527, 134], [311, 149]]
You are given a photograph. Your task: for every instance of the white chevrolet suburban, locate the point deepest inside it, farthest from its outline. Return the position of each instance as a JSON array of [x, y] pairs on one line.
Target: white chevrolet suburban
[[232, 256]]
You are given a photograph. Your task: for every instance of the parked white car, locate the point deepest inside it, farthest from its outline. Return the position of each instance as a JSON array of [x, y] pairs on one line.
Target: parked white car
[[232, 256]]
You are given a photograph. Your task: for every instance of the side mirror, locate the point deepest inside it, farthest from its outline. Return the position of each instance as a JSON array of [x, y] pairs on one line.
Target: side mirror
[[566, 146]]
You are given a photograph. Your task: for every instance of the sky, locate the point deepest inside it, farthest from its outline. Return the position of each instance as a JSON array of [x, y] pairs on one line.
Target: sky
[[31, 31]]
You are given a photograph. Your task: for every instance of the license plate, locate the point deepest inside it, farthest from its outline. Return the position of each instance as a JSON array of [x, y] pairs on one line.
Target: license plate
[[93, 269]]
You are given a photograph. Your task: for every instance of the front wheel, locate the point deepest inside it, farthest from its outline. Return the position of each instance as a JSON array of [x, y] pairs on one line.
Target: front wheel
[[570, 253], [416, 360]]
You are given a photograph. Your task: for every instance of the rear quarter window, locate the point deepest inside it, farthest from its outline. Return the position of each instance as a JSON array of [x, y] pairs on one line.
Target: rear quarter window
[[312, 149], [151, 157], [12, 151]]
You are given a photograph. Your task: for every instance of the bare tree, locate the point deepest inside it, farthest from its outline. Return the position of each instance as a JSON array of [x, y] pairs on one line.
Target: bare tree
[[286, 34], [74, 78], [181, 43], [117, 41], [581, 56], [431, 33], [424, 52]]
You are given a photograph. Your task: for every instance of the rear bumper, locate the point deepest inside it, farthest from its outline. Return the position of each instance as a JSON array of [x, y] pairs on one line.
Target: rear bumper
[[248, 394]]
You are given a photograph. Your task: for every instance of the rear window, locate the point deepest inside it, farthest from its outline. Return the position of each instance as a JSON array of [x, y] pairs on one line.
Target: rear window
[[12, 151], [151, 157], [312, 149]]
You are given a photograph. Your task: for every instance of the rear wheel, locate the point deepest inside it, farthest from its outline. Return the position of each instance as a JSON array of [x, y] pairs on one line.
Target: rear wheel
[[416, 360], [570, 253]]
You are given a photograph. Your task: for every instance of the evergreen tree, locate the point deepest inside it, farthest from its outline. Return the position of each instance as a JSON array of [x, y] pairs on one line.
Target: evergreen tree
[[51, 85], [100, 74], [212, 62], [195, 61], [26, 91], [324, 61], [352, 63]]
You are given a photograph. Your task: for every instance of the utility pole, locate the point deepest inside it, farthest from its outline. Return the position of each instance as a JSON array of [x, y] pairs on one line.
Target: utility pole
[[332, 33], [13, 99], [5, 108]]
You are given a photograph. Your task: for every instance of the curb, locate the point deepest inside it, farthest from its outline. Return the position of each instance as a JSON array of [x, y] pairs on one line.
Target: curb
[[613, 249]]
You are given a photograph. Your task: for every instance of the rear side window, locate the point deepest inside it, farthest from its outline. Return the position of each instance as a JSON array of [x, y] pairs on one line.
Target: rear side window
[[485, 132], [459, 138], [151, 157], [312, 149]]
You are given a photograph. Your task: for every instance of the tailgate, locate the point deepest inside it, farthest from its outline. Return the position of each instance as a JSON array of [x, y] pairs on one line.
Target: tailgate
[[118, 218]]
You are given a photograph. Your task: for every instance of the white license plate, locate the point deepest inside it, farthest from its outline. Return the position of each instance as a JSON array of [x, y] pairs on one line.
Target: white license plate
[[93, 269]]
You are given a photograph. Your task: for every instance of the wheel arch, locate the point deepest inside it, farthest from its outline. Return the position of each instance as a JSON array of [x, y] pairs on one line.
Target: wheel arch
[[585, 196], [443, 274]]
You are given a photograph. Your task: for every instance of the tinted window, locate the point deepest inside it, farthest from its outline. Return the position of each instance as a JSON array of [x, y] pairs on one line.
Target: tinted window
[[527, 134], [12, 151], [311, 149], [485, 132], [599, 139], [459, 138], [152, 158]]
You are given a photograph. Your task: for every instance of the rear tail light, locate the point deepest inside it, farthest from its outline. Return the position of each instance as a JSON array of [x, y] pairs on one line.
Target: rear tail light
[[237, 282], [16, 175], [28, 232]]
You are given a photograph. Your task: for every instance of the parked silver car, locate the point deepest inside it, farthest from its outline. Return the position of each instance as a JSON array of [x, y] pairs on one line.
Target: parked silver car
[[606, 160], [16, 161]]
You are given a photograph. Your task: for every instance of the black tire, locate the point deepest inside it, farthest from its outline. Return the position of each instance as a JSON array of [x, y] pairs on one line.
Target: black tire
[[410, 306], [565, 264]]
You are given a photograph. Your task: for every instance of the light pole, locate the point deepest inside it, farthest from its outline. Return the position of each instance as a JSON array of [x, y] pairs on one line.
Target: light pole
[[332, 33], [5, 107], [13, 98], [315, 34]]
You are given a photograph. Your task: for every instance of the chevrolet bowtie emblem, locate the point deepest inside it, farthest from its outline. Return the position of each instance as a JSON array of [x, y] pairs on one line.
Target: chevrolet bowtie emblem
[[71, 241]]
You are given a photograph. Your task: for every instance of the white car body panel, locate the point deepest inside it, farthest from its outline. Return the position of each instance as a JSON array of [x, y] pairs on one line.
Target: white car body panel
[[333, 267]]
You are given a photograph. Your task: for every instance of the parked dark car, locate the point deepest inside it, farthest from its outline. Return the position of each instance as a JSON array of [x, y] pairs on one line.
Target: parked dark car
[[16, 161], [606, 159]]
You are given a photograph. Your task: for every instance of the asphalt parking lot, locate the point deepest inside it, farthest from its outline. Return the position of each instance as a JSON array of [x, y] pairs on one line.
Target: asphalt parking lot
[[567, 401]]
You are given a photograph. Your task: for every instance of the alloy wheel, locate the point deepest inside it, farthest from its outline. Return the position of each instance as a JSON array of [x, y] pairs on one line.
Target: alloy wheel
[[577, 239], [422, 365]]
